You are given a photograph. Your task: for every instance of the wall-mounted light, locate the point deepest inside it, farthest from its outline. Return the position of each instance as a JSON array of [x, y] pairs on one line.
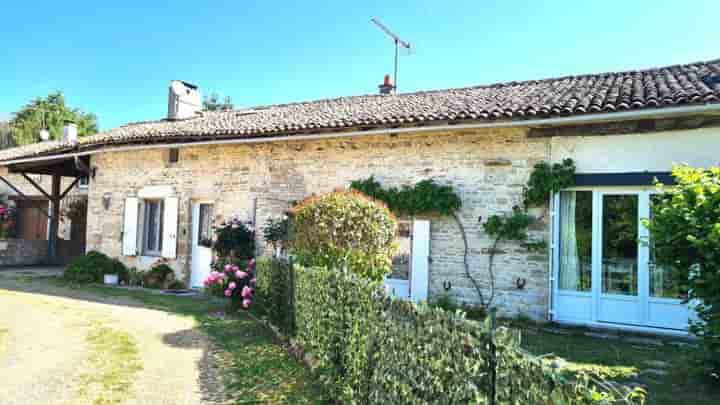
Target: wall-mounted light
[[447, 285], [93, 172], [106, 201]]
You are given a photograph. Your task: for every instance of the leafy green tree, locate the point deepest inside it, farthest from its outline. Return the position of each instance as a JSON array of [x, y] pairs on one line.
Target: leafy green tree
[[6, 139], [685, 233], [51, 113], [213, 103]]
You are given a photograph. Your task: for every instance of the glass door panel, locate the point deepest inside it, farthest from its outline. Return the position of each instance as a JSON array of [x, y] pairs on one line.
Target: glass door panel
[[663, 284], [575, 264], [619, 263]]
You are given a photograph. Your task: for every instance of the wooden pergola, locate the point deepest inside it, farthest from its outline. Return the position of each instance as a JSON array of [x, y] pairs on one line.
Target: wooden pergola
[[75, 167]]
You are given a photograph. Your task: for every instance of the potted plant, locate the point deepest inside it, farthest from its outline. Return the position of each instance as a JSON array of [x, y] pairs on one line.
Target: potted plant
[[114, 272], [159, 276]]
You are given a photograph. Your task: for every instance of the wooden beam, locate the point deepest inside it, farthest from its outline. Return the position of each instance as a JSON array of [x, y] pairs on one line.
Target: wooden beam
[[37, 186], [54, 219], [70, 187], [21, 194]]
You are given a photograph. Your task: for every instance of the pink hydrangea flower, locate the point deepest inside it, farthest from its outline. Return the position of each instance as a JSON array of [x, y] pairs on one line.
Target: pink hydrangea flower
[[228, 267], [232, 285], [240, 274], [246, 292], [253, 281], [228, 292], [246, 303]]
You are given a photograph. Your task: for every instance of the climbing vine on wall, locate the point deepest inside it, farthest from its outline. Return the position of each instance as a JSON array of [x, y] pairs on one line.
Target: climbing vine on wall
[[428, 197], [546, 179], [425, 197]]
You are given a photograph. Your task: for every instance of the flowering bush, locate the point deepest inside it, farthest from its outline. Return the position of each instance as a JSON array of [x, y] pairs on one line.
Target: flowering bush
[[234, 238], [7, 221], [234, 281]]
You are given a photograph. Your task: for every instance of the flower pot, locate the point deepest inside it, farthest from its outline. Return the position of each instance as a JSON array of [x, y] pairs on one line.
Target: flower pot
[[110, 279]]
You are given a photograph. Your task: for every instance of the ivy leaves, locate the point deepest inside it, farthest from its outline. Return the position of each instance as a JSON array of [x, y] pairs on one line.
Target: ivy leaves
[[425, 197], [546, 179]]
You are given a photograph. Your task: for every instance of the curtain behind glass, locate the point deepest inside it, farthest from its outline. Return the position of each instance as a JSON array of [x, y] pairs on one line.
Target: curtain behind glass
[[569, 263]]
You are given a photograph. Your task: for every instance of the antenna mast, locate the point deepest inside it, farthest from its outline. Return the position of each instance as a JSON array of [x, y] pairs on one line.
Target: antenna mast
[[398, 43]]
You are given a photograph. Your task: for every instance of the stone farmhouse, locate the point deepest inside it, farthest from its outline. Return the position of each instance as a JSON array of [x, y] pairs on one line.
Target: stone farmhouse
[[155, 187]]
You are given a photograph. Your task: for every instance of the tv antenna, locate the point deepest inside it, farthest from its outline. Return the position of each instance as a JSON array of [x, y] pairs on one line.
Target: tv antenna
[[398, 43]]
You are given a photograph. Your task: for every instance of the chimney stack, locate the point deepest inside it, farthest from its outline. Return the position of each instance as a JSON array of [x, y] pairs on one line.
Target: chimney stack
[[387, 87], [183, 100], [70, 132]]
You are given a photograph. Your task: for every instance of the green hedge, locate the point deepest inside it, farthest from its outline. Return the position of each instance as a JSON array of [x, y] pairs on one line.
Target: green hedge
[[272, 294], [374, 350]]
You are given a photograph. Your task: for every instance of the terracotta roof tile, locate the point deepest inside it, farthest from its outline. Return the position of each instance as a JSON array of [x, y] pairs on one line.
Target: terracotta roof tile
[[564, 96]]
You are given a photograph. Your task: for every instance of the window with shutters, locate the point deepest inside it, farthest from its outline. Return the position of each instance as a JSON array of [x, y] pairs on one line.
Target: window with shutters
[[152, 227]]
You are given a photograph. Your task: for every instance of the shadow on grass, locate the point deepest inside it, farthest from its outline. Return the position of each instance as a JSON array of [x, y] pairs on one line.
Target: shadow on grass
[[243, 363]]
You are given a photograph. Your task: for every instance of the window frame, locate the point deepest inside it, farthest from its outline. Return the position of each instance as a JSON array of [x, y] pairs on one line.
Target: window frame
[[83, 182], [159, 216]]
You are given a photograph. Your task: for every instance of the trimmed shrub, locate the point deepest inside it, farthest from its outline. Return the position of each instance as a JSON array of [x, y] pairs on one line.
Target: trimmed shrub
[[371, 349], [91, 267], [335, 312], [273, 294], [345, 229]]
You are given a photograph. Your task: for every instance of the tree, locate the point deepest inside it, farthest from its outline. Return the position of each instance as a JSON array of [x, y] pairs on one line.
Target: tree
[[51, 113], [685, 233], [213, 103], [6, 140]]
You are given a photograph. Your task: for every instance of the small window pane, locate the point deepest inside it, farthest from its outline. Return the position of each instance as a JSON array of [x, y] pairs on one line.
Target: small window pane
[[153, 227], [620, 244], [575, 241], [663, 284], [401, 260], [174, 155], [205, 228]]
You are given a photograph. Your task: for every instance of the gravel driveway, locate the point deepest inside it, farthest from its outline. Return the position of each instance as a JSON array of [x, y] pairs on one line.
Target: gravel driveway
[[61, 346]]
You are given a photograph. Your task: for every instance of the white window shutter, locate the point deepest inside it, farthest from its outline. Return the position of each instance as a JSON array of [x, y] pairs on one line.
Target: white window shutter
[[130, 226], [170, 227], [420, 260]]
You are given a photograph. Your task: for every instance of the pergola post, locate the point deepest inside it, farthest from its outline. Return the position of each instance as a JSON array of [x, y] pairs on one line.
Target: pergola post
[[54, 219]]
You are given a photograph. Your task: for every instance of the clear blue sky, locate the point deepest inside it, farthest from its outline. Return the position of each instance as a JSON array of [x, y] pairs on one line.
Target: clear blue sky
[[116, 59]]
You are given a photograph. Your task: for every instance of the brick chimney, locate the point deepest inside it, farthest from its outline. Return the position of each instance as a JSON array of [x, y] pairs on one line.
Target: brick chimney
[[387, 87]]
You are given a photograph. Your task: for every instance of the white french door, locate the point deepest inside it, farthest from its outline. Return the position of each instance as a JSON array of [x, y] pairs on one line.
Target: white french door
[[619, 264], [603, 267]]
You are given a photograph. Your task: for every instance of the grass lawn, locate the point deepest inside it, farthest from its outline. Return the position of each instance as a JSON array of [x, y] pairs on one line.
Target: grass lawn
[[670, 372], [254, 367]]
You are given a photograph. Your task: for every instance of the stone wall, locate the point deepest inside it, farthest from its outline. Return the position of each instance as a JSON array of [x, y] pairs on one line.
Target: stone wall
[[488, 168], [21, 252]]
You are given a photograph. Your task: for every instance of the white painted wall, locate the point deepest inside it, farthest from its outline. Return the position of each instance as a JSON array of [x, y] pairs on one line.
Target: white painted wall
[[639, 152]]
